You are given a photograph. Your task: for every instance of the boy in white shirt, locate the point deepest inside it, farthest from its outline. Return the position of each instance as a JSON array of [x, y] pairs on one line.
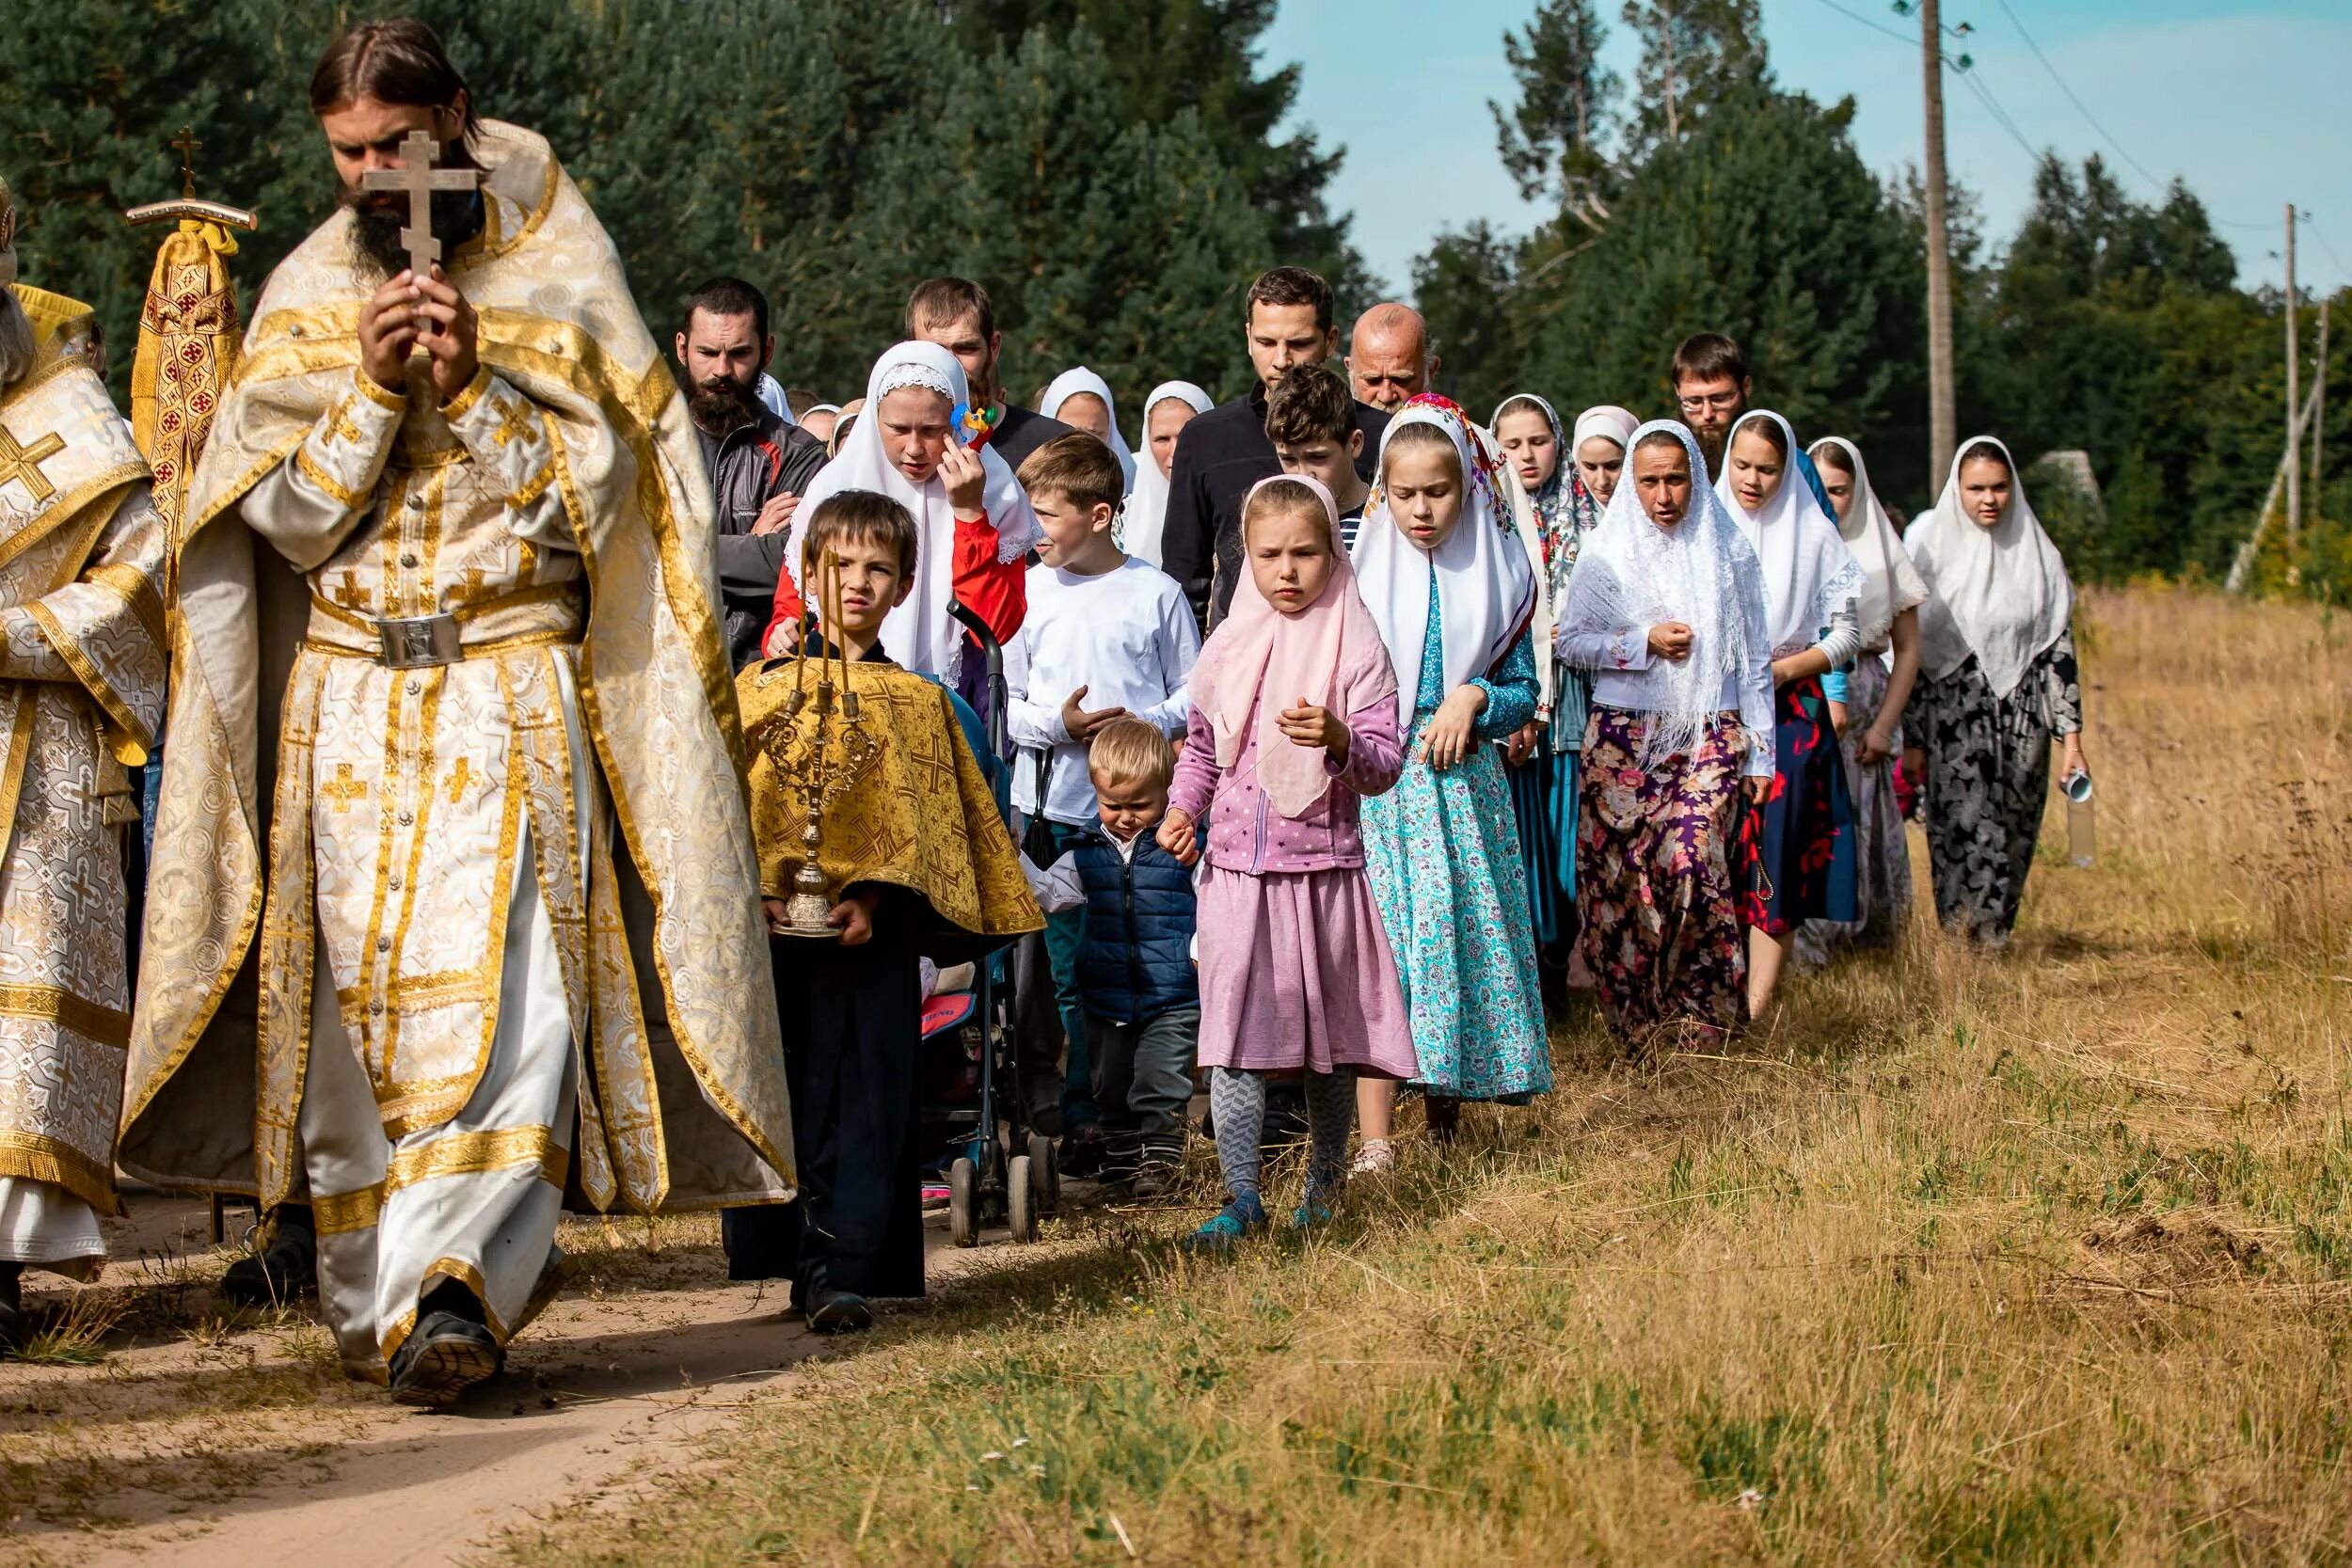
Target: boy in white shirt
[[1105, 637]]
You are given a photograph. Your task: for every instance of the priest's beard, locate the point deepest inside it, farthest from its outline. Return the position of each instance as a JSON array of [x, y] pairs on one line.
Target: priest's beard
[[378, 216], [722, 405]]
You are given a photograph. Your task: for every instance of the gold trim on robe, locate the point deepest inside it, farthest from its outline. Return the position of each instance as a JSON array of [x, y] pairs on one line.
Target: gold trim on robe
[[684, 1064]]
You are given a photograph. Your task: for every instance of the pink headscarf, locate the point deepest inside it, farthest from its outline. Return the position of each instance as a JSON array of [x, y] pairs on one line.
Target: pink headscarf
[[1261, 660]]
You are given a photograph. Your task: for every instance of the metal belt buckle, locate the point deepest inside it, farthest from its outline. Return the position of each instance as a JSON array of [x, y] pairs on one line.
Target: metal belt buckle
[[419, 642]]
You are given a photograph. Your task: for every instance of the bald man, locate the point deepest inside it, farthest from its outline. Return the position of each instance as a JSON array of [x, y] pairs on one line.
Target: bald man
[[1388, 360]]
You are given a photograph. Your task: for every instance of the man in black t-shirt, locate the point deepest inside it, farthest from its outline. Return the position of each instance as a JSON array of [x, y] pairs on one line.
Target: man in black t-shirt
[[1287, 319]]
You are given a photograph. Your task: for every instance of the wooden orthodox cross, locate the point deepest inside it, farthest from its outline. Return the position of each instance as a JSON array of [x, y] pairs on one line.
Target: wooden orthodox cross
[[420, 180]]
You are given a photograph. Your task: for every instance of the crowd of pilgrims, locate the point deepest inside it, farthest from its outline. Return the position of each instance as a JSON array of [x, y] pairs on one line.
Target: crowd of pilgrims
[[1318, 747], [1487, 712]]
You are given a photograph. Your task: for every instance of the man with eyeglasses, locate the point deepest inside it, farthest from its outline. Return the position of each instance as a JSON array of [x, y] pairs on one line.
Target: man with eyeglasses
[[1709, 378]]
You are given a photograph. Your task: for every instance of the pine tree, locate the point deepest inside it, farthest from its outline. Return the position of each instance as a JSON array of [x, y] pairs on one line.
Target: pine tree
[[1165, 57], [1764, 223], [1694, 54], [1551, 138]]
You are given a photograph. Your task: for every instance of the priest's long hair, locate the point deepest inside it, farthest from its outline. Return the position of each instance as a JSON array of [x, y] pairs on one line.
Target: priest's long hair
[[398, 61], [16, 338]]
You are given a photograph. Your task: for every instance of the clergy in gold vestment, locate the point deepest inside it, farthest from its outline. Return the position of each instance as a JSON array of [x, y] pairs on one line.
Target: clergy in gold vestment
[[81, 692], [454, 906]]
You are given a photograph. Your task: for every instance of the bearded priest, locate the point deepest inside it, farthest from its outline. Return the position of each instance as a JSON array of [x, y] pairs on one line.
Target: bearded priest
[[454, 909], [81, 553]]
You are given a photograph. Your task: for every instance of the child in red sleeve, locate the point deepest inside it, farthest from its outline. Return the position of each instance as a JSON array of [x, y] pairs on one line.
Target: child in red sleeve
[[974, 524]]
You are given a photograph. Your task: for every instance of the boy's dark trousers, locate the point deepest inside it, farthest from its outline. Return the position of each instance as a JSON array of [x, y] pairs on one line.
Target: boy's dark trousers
[[1142, 1088], [853, 1022]]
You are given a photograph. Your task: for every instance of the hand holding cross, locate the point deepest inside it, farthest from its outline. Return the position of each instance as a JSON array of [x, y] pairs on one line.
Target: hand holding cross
[[419, 305]]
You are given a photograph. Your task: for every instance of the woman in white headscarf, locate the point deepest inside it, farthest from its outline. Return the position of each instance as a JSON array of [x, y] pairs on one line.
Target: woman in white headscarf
[[1665, 611], [1552, 466], [1172, 406], [1877, 691], [1449, 583], [1997, 653], [973, 524], [1797, 854], [1082, 400]]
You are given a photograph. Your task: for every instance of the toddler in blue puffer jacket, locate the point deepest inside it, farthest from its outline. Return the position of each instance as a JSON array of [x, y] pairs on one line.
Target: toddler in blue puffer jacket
[[1136, 984]]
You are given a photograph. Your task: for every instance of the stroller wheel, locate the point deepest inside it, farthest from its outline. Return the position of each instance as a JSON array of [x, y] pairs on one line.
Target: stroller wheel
[[964, 1214], [1045, 1170], [1021, 1198]]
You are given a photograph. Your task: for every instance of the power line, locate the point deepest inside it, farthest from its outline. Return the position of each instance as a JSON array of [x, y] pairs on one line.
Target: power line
[[2319, 235], [1878, 27], [2083, 109], [2000, 116]]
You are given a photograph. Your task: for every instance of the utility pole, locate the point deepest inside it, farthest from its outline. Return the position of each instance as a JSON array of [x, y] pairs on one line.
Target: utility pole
[[1943, 415], [2295, 429]]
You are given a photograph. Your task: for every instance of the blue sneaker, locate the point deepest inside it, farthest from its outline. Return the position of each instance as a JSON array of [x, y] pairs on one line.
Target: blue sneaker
[[1315, 1209], [1228, 1226]]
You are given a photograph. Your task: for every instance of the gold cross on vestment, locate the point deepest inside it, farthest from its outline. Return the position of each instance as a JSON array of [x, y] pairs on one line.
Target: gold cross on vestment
[[349, 595], [514, 420], [23, 464], [419, 179], [470, 583], [342, 789], [459, 777], [340, 426]]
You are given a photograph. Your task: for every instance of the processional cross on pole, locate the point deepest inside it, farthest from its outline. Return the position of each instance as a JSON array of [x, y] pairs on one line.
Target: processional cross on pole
[[420, 180]]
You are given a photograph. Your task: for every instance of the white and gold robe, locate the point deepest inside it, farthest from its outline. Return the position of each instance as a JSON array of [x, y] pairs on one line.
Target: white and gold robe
[[81, 553], [396, 955]]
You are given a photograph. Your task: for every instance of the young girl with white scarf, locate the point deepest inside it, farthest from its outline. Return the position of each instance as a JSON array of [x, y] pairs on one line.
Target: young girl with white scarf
[[1797, 853], [1450, 585], [1878, 691]]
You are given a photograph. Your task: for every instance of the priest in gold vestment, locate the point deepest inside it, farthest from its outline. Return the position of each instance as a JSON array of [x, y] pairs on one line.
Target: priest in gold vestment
[[454, 906], [81, 691]]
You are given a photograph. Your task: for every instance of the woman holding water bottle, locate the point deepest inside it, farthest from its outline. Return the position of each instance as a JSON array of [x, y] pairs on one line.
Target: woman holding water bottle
[[1997, 683]]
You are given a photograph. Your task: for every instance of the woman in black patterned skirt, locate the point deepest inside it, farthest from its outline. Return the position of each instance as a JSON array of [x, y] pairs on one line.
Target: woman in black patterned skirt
[[1997, 683]]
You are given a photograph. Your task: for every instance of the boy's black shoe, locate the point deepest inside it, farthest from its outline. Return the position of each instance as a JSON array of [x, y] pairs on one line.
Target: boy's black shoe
[[288, 1267], [839, 1312]]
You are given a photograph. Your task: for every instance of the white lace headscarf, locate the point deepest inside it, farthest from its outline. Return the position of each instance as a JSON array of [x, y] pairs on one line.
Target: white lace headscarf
[[919, 634], [1632, 575]]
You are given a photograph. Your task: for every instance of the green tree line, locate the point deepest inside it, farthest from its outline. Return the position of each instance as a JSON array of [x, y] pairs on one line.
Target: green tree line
[[2106, 324], [1111, 172]]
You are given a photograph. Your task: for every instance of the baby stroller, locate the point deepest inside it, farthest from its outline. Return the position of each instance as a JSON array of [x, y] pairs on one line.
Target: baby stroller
[[969, 1075]]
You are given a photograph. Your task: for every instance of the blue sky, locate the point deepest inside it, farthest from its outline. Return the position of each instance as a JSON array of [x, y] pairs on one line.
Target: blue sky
[[2246, 102]]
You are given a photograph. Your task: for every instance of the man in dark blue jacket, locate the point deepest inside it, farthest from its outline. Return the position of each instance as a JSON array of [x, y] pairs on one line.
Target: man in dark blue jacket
[[1136, 982]]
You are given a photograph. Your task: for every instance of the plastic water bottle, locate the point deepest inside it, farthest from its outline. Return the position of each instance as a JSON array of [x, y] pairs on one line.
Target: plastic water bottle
[[2081, 827]]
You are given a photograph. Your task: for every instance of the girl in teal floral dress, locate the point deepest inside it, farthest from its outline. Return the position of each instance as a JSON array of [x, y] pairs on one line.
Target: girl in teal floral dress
[[1450, 587]]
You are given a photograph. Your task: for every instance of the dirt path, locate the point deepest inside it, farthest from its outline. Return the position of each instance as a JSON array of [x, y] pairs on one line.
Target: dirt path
[[202, 1440]]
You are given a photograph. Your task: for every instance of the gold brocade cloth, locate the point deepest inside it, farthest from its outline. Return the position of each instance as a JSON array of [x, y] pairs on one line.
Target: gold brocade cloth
[[683, 1101], [82, 555], [919, 815]]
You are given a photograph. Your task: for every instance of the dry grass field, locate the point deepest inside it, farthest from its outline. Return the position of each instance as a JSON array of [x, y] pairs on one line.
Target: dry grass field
[[2032, 1259]]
